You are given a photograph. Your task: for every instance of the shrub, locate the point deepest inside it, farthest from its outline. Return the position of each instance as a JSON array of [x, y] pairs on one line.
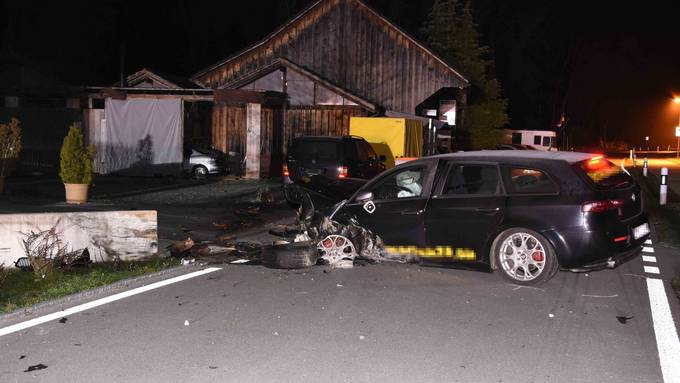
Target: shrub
[[75, 159], [10, 143], [45, 250]]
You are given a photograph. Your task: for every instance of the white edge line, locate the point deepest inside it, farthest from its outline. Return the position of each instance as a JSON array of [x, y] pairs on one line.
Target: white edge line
[[652, 270], [649, 258], [667, 341], [647, 249], [102, 301]]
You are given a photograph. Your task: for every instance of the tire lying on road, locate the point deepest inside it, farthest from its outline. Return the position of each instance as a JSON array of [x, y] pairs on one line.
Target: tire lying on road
[[524, 257], [296, 255]]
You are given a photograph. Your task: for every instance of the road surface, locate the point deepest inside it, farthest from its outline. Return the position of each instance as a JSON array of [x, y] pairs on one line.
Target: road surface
[[377, 323]]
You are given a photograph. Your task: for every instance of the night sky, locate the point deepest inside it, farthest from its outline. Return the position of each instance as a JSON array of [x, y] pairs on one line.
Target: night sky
[[613, 67]]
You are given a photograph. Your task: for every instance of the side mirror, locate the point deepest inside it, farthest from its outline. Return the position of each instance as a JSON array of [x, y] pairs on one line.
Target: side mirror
[[382, 158], [364, 196]]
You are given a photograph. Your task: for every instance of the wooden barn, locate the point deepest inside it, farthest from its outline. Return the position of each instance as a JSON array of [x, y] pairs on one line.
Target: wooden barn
[[336, 59]]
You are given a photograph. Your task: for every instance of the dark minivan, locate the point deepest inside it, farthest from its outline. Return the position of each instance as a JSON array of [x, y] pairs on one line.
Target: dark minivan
[[331, 157]]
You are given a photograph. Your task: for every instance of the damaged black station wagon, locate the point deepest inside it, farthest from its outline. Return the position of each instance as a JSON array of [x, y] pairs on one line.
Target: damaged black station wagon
[[525, 214]]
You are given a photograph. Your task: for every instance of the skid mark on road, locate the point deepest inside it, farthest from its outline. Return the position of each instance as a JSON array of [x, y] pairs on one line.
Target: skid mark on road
[[102, 301], [665, 332], [599, 296]]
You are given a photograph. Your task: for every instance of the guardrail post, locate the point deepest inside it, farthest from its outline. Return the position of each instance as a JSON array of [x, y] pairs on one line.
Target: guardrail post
[[644, 167], [634, 160], [664, 187]]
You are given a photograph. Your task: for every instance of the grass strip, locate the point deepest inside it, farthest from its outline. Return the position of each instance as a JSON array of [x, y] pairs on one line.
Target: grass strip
[[24, 289]]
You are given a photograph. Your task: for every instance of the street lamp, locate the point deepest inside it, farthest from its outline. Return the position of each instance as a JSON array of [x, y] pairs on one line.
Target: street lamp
[[677, 130]]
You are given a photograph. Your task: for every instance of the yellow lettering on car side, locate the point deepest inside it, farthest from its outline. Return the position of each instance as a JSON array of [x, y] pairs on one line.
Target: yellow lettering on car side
[[462, 254], [465, 254]]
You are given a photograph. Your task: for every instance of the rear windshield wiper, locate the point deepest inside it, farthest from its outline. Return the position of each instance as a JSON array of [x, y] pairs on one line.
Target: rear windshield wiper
[[621, 184]]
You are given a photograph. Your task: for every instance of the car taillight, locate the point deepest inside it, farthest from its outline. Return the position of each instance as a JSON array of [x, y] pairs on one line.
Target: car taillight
[[596, 162], [342, 171], [600, 206], [286, 173]]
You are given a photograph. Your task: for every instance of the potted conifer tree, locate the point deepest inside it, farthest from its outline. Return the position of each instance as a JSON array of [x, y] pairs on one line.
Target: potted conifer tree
[[76, 166], [10, 146]]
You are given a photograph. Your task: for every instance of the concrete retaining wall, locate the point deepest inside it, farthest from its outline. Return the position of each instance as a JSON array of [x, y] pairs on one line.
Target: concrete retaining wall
[[126, 234]]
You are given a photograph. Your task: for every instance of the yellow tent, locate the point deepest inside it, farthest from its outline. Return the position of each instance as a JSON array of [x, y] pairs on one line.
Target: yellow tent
[[395, 138]]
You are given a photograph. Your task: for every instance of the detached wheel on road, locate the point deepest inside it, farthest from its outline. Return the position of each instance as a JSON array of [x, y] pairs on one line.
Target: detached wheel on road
[[524, 257], [295, 255], [200, 172]]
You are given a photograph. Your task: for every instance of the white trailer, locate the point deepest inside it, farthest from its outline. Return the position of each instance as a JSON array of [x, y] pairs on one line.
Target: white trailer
[[538, 139]]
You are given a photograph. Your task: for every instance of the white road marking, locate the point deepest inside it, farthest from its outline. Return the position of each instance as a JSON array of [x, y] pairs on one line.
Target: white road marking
[[649, 258], [652, 270], [664, 329], [647, 249], [102, 301], [648, 242]]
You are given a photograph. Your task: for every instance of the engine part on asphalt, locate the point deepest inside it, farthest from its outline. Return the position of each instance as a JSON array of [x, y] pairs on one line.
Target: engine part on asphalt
[[181, 248], [248, 247], [297, 255], [284, 231], [201, 250], [337, 251], [226, 240], [302, 237]]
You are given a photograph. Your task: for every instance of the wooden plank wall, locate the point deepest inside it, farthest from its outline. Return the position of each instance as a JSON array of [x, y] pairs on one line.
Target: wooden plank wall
[[319, 121], [229, 134], [351, 46], [229, 128]]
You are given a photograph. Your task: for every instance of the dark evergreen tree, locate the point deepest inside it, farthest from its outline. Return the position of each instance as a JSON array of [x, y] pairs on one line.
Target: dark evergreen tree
[[451, 33]]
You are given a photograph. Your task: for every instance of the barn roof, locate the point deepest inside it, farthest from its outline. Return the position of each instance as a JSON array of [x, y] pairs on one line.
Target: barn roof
[[297, 19], [168, 80], [289, 65]]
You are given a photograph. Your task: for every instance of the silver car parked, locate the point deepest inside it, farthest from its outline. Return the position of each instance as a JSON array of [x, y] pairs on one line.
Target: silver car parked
[[202, 162]]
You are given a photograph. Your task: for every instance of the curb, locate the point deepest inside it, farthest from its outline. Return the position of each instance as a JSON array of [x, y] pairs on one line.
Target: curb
[[97, 292], [153, 190]]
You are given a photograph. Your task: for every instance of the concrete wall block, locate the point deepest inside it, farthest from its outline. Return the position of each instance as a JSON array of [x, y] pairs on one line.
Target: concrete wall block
[[125, 234]]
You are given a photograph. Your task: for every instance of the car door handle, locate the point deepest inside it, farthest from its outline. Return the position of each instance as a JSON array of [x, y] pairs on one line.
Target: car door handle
[[487, 209], [417, 212]]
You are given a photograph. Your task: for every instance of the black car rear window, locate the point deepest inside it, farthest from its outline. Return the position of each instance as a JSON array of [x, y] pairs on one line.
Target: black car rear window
[[305, 150], [604, 173], [521, 180]]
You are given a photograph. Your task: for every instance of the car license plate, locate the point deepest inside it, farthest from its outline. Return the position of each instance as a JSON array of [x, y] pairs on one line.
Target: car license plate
[[310, 172], [641, 231]]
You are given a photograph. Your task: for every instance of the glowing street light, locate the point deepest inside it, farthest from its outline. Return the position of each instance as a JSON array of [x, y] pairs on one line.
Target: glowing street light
[[677, 129]]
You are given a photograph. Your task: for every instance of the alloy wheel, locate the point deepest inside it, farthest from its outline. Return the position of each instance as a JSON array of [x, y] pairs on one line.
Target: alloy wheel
[[522, 256]]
